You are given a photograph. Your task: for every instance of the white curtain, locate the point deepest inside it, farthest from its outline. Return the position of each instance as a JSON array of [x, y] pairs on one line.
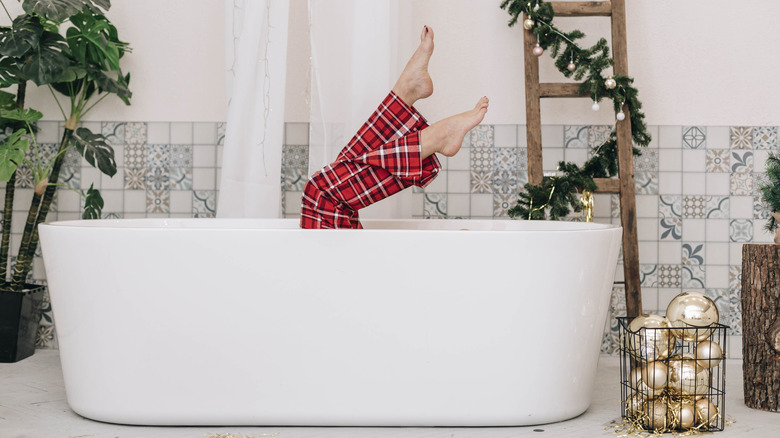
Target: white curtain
[[354, 64], [256, 57]]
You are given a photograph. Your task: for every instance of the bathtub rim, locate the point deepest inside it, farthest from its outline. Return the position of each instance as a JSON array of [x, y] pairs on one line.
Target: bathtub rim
[[372, 225]]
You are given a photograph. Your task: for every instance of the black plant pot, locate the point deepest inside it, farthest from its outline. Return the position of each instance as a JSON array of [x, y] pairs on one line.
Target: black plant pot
[[20, 313]]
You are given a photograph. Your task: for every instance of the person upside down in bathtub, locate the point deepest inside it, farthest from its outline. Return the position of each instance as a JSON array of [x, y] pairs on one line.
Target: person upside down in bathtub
[[393, 150]]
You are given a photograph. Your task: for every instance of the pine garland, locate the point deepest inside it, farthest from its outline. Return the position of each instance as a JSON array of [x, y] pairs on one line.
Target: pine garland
[[770, 190], [558, 195]]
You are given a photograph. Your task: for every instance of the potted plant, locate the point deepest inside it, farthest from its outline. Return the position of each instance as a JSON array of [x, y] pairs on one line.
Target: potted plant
[[71, 48]]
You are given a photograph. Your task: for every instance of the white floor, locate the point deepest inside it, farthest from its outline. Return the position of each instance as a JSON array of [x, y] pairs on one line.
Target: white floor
[[33, 405]]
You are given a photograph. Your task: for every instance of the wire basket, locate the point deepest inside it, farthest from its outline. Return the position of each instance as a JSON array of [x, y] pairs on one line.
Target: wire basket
[[665, 386]]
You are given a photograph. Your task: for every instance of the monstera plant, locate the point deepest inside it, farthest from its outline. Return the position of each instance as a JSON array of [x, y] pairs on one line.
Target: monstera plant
[[70, 48]]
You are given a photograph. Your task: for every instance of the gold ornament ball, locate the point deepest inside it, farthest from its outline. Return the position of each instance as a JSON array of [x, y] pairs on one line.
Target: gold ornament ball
[[689, 313], [528, 24], [655, 374], [650, 337], [634, 405], [686, 376], [656, 414], [683, 413], [610, 83], [706, 412], [638, 385], [708, 354]]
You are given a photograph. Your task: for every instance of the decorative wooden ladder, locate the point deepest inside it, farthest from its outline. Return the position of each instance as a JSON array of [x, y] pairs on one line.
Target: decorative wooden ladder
[[624, 184]]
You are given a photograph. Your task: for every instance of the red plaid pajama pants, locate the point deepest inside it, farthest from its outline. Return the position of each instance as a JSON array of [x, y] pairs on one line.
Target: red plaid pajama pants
[[383, 158]]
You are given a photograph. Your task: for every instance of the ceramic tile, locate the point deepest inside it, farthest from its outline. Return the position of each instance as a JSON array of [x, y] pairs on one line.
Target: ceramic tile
[[296, 133], [717, 207], [693, 276], [24, 178], [694, 183], [669, 183], [481, 181], [181, 133], [204, 179], [114, 133], [598, 134], [458, 205], [717, 230], [718, 184], [550, 158], [458, 181], [294, 179], [670, 160], [157, 179], [717, 253], [718, 137], [575, 136], [158, 132], [135, 155], [741, 184], [648, 276], [741, 230], [158, 155], [693, 253], [135, 133], [741, 161], [669, 252], [204, 133], [481, 136], [135, 178], [435, 206], [670, 229], [502, 203], [670, 137], [647, 162], [221, 133], [505, 136], [180, 179], [504, 182], [482, 205], [158, 200], [552, 136], [718, 160], [765, 138], [461, 161], [295, 156], [181, 156], [741, 137], [694, 137], [669, 276], [204, 203]]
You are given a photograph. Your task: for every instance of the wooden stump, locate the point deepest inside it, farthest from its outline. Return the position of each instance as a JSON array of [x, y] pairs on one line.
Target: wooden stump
[[761, 326]]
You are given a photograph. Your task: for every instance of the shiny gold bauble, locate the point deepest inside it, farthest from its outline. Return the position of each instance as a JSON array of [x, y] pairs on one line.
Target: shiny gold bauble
[[689, 314], [649, 337], [706, 412], [708, 354], [682, 413], [656, 414], [528, 24], [635, 405], [686, 376], [610, 83], [654, 374], [638, 385]]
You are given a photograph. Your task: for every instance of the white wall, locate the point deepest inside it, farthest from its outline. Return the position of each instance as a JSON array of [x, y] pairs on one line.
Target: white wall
[[695, 62], [176, 66]]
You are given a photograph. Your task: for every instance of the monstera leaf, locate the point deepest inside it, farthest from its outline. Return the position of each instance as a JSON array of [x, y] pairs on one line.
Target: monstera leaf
[[21, 37], [12, 151], [28, 115], [9, 72], [47, 64], [60, 10], [94, 41], [95, 150], [106, 83], [93, 204]]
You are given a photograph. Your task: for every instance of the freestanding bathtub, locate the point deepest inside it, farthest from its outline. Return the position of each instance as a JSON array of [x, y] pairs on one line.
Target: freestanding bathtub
[[257, 322]]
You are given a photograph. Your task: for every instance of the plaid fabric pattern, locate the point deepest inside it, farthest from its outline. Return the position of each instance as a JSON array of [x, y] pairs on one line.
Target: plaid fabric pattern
[[383, 158]]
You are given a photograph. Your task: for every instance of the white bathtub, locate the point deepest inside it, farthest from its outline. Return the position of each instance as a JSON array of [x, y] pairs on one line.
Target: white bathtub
[[256, 322]]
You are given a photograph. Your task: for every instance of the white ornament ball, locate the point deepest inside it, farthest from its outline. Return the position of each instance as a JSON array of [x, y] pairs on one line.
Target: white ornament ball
[[621, 116], [528, 24], [610, 83], [595, 106], [571, 66], [538, 50]]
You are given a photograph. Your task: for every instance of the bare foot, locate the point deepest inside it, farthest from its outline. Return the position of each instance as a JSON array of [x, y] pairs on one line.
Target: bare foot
[[415, 83], [446, 136]]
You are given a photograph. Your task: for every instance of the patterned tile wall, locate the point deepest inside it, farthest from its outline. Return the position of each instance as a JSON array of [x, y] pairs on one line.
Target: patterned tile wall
[[696, 194], [697, 198]]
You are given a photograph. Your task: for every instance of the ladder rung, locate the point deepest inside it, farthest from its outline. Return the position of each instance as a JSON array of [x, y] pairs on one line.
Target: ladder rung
[[552, 89], [607, 185], [582, 9]]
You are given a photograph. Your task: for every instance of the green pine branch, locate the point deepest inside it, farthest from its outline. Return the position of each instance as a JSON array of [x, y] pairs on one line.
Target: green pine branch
[[770, 190]]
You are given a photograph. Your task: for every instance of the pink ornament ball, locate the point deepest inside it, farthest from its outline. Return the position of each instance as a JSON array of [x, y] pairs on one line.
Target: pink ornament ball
[[538, 50]]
